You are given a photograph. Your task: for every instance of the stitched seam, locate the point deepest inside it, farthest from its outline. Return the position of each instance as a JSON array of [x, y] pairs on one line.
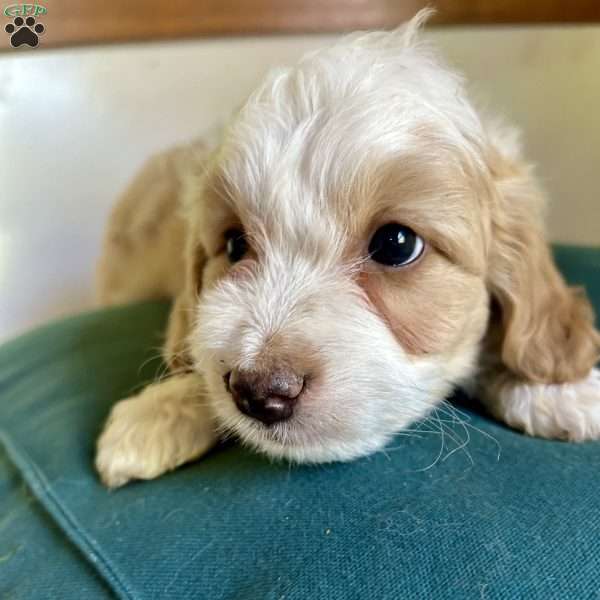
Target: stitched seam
[[69, 524]]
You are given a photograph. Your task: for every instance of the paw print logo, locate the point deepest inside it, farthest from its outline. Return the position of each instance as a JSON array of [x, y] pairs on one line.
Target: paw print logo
[[24, 32]]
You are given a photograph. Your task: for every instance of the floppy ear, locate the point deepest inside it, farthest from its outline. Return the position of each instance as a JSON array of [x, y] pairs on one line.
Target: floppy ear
[[175, 350], [538, 369], [546, 329]]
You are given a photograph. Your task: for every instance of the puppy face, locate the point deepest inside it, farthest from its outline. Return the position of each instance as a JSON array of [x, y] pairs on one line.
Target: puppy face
[[345, 244], [344, 225]]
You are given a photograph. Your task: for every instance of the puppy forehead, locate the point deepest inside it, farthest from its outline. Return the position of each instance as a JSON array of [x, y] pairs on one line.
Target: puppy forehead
[[324, 181], [348, 135]]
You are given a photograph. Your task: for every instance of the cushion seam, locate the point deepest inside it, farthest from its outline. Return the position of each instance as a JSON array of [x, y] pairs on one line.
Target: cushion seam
[[66, 521]]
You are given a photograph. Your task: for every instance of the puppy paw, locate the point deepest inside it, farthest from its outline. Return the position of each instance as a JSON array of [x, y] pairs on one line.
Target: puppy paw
[[145, 436], [569, 411]]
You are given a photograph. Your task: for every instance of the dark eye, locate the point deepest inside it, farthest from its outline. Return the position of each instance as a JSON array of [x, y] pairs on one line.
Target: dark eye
[[395, 245], [236, 244]]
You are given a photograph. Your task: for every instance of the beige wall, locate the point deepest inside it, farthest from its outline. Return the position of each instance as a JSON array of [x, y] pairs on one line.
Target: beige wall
[[75, 124], [548, 82]]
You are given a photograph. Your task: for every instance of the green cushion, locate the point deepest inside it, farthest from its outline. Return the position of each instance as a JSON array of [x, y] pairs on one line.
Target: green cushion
[[478, 512]]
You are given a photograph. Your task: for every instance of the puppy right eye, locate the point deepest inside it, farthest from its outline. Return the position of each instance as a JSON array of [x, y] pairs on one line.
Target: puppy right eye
[[236, 244]]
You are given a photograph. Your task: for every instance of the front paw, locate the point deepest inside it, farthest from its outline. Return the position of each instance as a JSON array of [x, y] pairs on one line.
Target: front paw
[[568, 411], [152, 433]]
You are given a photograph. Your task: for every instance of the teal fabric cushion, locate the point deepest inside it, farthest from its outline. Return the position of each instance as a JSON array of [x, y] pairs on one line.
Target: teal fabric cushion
[[460, 507]]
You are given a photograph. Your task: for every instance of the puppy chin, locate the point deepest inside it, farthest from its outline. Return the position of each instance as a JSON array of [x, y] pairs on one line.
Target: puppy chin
[[335, 451]]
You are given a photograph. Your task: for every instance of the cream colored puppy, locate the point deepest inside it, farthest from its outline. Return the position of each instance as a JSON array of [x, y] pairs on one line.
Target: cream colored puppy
[[357, 244]]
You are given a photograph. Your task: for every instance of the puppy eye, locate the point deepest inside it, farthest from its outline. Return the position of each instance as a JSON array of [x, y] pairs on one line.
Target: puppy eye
[[395, 245], [236, 244]]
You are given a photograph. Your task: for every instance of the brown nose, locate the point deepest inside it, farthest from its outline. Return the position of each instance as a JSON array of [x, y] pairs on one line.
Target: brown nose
[[267, 396]]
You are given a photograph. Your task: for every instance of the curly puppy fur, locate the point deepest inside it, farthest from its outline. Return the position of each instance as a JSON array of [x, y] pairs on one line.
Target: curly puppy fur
[[373, 130]]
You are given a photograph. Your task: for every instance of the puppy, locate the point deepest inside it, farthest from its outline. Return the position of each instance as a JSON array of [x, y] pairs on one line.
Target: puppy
[[357, 244]]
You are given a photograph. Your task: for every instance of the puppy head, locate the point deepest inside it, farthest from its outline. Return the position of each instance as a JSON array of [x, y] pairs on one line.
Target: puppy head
[[342, 242]]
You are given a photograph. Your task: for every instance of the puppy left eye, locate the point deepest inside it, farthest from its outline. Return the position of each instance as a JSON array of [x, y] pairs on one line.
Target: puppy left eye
[[236, 244], [395, 245]]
